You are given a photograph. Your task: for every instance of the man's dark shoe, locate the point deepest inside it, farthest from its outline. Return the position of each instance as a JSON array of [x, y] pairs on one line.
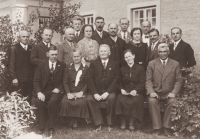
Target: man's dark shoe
[[123, 127], [41, 131], [157, 132], [51, 132], [131, 128], [75, 126], [167, 132]]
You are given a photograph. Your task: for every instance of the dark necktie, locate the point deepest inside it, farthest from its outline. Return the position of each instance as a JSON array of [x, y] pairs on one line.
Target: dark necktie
[[152, 46], [164, 64], [52, 68], [124, 36], [77, 35]]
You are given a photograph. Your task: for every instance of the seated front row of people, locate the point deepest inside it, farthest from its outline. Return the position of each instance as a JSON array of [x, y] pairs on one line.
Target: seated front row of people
[[84, 87]]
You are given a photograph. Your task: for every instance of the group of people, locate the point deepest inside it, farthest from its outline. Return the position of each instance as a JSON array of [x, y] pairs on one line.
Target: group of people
[[90, 66]]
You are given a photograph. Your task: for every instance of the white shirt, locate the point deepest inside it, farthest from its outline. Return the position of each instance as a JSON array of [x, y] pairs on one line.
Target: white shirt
[[154, 44], [24, 46], [122, 34], [100, 33], [48, 44], [176, 44], [77, 32], [114, 38], [163, 61], [106, 62], [50, 65], [146, 40], [70, 43]]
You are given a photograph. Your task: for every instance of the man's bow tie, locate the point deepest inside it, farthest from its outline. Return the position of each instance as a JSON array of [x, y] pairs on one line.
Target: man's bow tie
[[146, 37]]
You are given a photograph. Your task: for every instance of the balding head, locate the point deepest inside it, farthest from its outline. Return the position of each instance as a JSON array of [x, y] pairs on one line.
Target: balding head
[[69, 34], [24, 36], [113, 29], [146, 26]]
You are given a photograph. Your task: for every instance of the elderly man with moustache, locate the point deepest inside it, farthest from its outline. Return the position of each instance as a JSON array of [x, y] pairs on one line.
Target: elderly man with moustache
[[38, 53], [77, 23], [103, 76], [116, 44], [66, 47], [123, 33], [48, 87], [180, 50], [163, 83], [99, 34], [146, 26], [21, 70]]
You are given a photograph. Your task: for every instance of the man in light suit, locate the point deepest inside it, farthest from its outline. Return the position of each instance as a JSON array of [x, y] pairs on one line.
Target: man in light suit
[[146, 26], [180, 50], [163, 83], [38, 53], [123, 33], [99, 34], [66, 47], [103, 76], [48, 87], [116, 44], [152, 51], [77, 23]]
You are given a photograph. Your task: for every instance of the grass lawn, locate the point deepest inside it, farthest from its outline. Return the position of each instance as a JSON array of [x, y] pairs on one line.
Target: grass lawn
[[86, 132]]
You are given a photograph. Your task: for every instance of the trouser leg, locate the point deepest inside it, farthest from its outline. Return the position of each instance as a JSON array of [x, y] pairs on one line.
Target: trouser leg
[[111, 102], [95, 110], [167, 115], [154, 109]]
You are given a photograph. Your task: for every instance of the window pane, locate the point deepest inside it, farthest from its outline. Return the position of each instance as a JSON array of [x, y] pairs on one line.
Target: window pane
[[92, 20], [141, 20], [141, 14], [148, 13], [136, 14], [88, 19], [135, 23], [153, 21], [153, 12]]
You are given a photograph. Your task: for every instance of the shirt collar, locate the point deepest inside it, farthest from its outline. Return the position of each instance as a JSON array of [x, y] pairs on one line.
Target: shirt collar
[[104, 61], [99, 31], [177, 42], [50, 64], [46, 43], [23, 45], [114, 38], [164, 60], [77, 32]]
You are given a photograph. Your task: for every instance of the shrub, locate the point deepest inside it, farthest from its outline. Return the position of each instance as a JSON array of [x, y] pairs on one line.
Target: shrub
[[186, 109], [15, 115]]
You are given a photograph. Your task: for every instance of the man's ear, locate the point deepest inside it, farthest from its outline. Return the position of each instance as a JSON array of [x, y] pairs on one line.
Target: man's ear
[[47, 53]]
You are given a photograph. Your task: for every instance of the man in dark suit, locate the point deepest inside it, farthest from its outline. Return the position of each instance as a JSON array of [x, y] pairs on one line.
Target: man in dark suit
[[38, 53], [180, 50], [21, 70], [146, 26], [116, 44], [77, 23], [103, 78], [48, 87], [163, 83], [123, 33], [99, 34], [152, 51]]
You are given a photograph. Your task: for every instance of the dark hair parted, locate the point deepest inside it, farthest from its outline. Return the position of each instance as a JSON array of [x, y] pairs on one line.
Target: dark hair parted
[[99, 17], [152, 30], [177, 28], [52, 47], [134, 29], [129, 50], [87, 25]]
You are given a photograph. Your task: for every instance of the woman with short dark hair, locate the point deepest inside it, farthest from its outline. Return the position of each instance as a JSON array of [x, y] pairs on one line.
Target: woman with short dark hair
[[138, 47], [129, 104]]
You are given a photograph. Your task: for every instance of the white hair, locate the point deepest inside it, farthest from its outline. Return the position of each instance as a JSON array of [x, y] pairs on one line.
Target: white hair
[[104, 45], [163, 45]]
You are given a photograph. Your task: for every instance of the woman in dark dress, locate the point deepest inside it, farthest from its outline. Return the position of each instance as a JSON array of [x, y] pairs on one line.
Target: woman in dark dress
[[129, 104], [73, 104], [138, 47]]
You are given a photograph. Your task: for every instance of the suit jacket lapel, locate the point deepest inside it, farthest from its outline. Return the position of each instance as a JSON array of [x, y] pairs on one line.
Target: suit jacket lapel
[[21, 48], [46, 68], [103, 35], [177, 48], [108, 69], [57, 67], [152, 53], [43, 46], [159, 66], [167, 70], [99, 70]]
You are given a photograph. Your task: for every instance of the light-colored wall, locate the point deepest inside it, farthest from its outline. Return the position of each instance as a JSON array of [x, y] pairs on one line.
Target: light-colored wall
[[182, 13]]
